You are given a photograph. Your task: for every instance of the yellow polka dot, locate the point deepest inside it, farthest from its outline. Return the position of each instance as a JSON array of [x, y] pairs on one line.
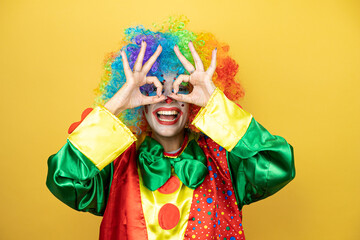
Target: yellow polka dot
[[205, 227], [207, 235], [209, 190], [220, 161], [235, 203], [240, 232], [217, 167], [196, 195], [193, 236], [227, 205], [214, 206], [200, 187], [222, 213]]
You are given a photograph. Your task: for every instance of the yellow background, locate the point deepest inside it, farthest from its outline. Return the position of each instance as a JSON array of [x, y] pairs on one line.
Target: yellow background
[[299, 63]]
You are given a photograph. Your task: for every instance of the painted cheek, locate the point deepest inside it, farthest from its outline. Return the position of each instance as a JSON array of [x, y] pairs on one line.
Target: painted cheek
[[185, 110], [184, 107]]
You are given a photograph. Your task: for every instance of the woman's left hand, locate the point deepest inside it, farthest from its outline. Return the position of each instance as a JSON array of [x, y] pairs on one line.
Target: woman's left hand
[[200, 79]]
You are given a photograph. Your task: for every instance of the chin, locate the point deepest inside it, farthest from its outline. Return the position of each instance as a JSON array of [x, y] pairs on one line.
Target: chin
[[167, 132]]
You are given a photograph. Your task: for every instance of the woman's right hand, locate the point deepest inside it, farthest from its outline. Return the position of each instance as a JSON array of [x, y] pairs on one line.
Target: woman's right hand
[[129, 95]]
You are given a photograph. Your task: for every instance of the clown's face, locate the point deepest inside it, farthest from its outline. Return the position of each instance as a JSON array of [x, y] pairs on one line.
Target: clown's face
[[167, 118]]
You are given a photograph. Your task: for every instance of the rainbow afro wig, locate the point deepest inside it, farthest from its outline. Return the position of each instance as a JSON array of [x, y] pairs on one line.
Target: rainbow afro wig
[[167, 34]]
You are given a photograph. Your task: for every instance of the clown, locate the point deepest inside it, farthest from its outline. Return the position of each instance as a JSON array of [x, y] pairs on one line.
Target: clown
[[166, 154]]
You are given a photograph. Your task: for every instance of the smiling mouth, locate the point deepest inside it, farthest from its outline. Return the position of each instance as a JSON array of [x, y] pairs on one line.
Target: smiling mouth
[[167, 116]]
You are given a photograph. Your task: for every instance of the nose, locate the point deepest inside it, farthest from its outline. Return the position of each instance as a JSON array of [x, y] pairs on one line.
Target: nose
[[168, 100]]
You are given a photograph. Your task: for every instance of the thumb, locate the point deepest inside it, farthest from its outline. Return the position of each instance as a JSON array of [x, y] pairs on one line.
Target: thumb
[[181, 97], [151, 100]]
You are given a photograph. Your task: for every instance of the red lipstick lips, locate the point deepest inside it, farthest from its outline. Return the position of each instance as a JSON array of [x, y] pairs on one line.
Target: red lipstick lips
[[167, 116]]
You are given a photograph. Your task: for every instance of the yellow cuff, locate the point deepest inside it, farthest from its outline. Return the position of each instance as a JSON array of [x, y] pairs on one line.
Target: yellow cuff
[[222, 120], [101, 137]]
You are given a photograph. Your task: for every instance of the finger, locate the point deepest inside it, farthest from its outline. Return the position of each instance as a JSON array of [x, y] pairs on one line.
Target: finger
[[154, 80], [140, 58], [198, 63], [151, 100], [127, 69], [181, 97], [181, 78], [212, 66], [187, 65], [147, 66]]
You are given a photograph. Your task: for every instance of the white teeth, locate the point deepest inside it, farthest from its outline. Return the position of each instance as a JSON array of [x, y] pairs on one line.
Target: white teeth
[[166, 120], [167, 112]]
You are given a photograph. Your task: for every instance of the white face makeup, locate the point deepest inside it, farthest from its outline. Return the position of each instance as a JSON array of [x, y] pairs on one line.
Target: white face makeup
[[167, 118]]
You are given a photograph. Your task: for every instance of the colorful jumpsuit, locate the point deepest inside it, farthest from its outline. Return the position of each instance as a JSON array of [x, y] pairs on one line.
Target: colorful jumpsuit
[[98, 171]]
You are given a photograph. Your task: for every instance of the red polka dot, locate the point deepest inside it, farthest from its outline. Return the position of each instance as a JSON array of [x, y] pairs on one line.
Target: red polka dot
[[169, 216], [170, 186]]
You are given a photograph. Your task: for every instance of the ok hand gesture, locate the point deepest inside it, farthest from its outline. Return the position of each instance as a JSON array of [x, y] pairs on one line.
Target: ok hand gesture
[[199, 78], [129, 96]]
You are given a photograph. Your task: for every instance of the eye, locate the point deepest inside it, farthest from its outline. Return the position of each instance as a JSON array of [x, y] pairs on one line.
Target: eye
[[154, 90], [183, 89]]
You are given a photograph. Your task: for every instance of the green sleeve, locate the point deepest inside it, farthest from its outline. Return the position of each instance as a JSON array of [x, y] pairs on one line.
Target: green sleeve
[[260, 164], [77, 182]]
